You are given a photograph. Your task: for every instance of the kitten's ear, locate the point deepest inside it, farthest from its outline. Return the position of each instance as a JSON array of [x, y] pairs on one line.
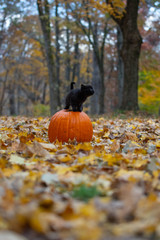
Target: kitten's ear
[[82, 85]]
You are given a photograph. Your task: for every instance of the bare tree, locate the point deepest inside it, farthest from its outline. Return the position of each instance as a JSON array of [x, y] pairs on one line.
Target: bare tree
[[89, 25], [44, 16], [57, 33]]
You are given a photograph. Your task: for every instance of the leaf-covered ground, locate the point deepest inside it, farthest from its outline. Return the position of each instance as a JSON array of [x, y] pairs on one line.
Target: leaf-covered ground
[[106, 189]]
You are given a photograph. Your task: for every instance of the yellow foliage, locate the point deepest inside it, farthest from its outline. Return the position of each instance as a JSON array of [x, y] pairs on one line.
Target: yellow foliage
[[115, 8], [149, 89]]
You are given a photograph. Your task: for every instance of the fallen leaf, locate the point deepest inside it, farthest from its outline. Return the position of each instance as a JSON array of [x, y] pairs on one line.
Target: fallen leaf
[[9, 235], [15, 159], [50, 178]]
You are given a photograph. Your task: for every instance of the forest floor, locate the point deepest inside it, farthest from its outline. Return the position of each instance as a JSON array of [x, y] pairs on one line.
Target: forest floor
[[108, 189]]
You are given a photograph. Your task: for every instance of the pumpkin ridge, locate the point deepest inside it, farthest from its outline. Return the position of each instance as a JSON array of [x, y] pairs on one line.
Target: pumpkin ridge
[[73, 123], [76, 122], [82, 125], [72, 129], [65, 129], [55, 119], [85, 126], [79, 126], [51, 129], [57, 122], [60, 129], [68, 127], [88, 127]]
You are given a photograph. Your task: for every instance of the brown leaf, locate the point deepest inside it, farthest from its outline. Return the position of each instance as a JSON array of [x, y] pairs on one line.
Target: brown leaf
[[115, 147], [37, 150]]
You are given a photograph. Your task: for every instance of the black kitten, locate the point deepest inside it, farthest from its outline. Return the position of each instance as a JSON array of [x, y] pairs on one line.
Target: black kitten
[[76, 97]]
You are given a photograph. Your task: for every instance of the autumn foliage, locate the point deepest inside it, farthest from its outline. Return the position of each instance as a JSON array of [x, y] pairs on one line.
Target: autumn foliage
[[106, 187]]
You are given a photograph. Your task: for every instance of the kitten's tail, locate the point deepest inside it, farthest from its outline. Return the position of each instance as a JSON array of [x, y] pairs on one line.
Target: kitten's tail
[[72, 85]]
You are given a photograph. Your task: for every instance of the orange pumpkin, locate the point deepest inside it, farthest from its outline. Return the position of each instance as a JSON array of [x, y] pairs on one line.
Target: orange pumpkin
[[65, 125]]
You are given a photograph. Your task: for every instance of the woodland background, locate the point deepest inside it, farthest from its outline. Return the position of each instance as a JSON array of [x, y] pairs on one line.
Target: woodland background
[[84, 41]]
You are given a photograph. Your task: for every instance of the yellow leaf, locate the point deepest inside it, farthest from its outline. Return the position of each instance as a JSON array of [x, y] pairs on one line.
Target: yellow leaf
[[49, 146], [64, 157], [158, 144], [63, 169], [98, 140], [86, 146], [139, 163], [106, 135], [7, 172], [87, 159], [129, 175]]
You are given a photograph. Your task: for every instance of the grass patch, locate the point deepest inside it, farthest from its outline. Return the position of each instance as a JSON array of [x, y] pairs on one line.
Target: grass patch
[[85, 193]]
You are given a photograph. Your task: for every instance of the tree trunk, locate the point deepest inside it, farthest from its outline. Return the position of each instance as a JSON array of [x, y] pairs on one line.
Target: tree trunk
[[11, 94], [96, 85], [57, 32], [44, 15], [18, 99], [130, 87], [76, 67], [3, 91], [102, 90], [68, 61], [44, 94], [2, 97], [130, 54], [120, 66], [99, 59]]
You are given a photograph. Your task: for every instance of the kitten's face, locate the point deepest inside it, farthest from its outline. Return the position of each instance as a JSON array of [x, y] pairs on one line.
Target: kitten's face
[[87, 90]]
